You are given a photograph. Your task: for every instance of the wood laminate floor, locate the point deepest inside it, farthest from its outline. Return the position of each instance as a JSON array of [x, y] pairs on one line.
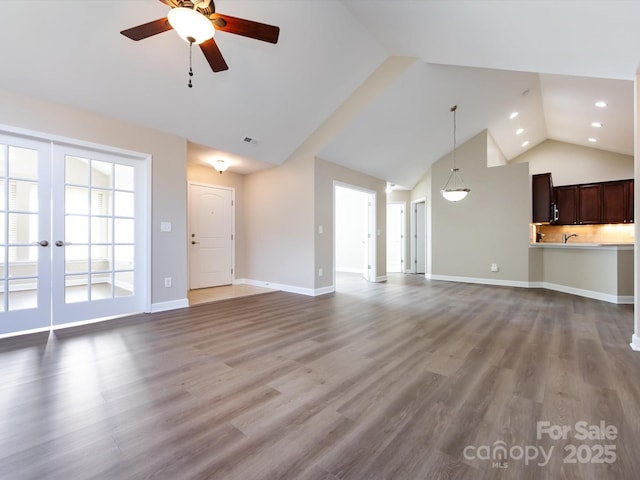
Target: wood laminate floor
[[408, 379], [225, 292]]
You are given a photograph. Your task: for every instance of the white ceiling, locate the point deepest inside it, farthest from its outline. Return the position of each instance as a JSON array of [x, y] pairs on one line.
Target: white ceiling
[[549, 60]]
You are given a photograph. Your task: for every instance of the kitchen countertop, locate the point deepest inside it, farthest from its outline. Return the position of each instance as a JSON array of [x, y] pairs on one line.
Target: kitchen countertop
[[596, 246]]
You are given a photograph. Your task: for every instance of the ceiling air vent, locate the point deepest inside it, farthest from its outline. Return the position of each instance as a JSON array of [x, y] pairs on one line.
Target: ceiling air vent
[[252, 141]]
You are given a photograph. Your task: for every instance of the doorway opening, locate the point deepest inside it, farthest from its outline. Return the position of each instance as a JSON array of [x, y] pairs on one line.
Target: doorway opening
[[419, 236], [354, 234], [395, 237]]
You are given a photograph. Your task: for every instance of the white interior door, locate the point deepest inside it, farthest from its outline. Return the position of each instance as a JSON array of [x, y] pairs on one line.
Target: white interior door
[[370, 238], [420, 239], [98, 234], [72, 234], [395, 237], [25, 226], [210, 236], [354, 231]]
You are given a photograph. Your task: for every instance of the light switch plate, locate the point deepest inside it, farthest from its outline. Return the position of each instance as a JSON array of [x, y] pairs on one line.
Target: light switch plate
[[165, 226]]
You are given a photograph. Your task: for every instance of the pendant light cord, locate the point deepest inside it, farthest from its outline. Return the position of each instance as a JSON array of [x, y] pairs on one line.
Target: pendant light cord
[[453, 109], [190, 69]]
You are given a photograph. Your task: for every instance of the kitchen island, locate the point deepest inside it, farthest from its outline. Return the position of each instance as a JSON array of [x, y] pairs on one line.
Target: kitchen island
[[603, 271]]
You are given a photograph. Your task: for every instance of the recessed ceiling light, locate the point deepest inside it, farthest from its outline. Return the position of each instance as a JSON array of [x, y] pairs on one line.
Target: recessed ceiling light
[[513, 115], [525, 143], [596, 124], [592, 140], [519, 131], [601, 104]]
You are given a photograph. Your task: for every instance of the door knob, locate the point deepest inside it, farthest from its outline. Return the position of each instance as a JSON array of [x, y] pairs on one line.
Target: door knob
[[194, 242], [42, 243], [59, 243]]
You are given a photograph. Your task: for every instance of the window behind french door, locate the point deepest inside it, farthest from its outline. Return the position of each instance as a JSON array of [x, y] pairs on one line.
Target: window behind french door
[[71, 234]]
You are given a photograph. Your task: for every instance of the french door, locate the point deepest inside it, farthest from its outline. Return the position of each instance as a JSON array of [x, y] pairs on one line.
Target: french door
[[71, 234]]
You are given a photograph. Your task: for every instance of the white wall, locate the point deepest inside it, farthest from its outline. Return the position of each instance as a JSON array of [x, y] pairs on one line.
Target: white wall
[[635, 339], [326, 174], [168, 182], [279, 206], [490, 226], [574, 164]]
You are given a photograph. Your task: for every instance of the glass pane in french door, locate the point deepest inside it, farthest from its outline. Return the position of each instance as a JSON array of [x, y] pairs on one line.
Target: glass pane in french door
[[99, 230], [25, 252], [96, 233]]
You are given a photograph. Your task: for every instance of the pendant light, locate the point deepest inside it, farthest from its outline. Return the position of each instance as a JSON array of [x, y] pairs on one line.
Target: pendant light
[[455, 189]]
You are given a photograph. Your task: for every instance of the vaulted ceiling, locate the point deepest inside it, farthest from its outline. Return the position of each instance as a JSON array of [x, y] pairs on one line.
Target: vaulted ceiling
[[548, 60]]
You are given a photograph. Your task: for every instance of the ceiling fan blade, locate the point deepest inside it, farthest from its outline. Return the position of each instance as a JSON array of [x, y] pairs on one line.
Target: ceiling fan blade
[[171, 3], [246, 28], [147, 29], [213, 55]]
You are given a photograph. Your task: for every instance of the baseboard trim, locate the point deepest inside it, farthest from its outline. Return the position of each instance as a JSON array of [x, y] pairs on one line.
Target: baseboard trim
[[482, 281], [310, 292], [605, 297], [171, 305], [635, 343]]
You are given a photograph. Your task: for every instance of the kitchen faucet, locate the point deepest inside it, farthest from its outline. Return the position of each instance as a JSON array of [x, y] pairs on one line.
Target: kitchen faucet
[[566, 237]]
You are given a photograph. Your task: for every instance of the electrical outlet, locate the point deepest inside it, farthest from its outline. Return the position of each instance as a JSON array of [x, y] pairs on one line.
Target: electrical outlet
[[167, 282], [494, 267]]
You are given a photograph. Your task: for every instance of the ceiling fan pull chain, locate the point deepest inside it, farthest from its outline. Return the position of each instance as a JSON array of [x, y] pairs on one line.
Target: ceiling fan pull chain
[[190, 69]]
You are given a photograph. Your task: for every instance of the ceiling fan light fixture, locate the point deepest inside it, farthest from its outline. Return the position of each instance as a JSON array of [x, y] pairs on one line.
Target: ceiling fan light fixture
[[191, 25]]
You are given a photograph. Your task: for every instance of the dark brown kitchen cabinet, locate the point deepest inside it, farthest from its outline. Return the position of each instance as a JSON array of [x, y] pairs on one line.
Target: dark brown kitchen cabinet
[[584, 204], [630, 218], [567, 203], [543, 202], [589, 202], [617, 202]]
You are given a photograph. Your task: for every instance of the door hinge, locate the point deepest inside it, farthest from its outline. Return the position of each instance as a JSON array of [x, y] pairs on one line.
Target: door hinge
[[368, 267], [232, 271], [232, 236], [232, 203]]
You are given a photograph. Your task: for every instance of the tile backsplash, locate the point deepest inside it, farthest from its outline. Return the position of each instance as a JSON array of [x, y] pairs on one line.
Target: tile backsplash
[[608, 233]]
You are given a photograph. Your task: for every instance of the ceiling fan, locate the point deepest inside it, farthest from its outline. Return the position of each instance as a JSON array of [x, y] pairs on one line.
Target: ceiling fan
[[196, 22]]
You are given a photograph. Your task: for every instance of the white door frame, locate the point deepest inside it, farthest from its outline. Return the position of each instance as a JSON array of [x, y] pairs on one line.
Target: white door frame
[[233, 226], [414, 233], [144, 265], [372, 224]]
